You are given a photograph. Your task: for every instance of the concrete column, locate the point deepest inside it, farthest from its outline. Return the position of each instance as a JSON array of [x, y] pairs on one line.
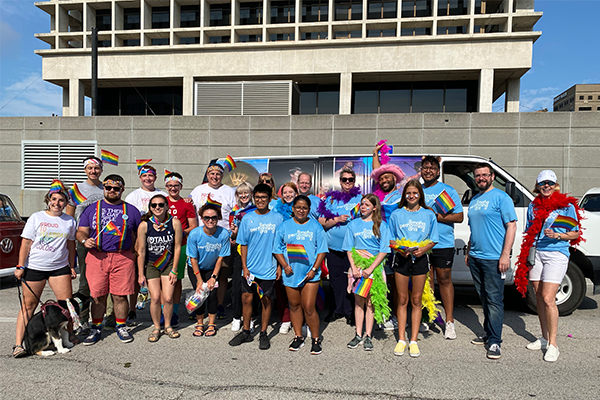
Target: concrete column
[[346, 93], [486, 90], [434, 12], [65, 101], [188, 95], [73, 99], [512, 96]]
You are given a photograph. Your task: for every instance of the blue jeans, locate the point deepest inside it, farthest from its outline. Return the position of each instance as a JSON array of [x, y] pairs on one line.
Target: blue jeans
[[490, 288]]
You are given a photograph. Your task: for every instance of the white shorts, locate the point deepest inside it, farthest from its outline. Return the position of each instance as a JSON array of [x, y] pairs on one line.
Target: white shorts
[[550, 266]]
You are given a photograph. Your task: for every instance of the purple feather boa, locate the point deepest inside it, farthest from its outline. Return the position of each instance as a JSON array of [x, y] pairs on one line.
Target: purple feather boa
[[336, 195]]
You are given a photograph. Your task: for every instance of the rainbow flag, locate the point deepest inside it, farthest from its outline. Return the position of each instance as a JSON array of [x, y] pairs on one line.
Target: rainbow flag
[[112, 229], [140, 163], [230, 163], [258, 289], [109, 158], [562, 221], [57, 186], [213, 202], [167, 172], [296, 252], [355, 211], [235, 208], [76, 195], [363, 286], [444, 202], [162, 261], [320, 302]]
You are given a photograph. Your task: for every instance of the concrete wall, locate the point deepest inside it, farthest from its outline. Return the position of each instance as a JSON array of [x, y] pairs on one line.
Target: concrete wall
[[523, 143]]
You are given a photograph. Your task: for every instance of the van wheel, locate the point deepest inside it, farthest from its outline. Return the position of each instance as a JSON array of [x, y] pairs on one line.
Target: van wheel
[[571, 291]]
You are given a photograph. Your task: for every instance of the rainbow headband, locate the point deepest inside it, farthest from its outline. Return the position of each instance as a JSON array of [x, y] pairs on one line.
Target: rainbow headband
[[57, 187], [110, 182], [173, 178], [215, 167], [147, 170], [92, 161]]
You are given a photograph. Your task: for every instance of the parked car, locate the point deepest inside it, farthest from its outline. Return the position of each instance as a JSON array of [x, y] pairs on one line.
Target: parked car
[[11, 226]]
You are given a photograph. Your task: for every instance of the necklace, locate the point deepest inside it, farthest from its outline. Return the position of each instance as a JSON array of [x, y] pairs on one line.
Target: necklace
[[160, 225]]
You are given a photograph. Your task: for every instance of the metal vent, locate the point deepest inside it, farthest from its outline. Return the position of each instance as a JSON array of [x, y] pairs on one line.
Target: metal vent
[[267, 98], [214, 98]]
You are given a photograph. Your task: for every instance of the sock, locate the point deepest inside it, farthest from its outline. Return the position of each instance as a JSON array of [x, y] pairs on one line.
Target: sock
[[97, 322], [120, 321], [401, 341], [412, 341], [175, 309]]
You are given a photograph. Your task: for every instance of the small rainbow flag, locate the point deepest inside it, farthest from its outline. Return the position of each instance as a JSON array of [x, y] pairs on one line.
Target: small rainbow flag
[[140, 163], [562, 221], [363, 286], [230, 163], [162, 261], [112, 229], [444, 202], [212, 202], [355, 211], [57, 186], [258, 289], [76, 195], [235, 208], [296, 252], [109, 158], [167, 172]]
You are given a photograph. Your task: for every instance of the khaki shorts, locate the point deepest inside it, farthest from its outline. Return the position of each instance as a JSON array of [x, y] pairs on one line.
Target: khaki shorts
[[154, 273]]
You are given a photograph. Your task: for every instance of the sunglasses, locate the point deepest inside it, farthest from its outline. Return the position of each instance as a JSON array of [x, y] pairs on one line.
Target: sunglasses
[[112, 188], [549, 183], [266, 181], [344, 180], [161, 205], [210, 219]]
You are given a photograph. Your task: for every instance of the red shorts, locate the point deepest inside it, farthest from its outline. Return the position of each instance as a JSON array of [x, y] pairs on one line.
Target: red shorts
[[112, 273]]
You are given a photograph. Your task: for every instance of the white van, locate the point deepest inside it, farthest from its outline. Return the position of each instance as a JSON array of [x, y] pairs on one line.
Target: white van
[[457, 171]]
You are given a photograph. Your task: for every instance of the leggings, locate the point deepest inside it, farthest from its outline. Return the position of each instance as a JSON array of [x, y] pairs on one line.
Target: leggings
[[211, 303]]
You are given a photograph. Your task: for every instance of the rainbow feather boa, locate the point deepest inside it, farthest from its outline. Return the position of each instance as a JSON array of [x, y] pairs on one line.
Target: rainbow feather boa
[[379, 289]]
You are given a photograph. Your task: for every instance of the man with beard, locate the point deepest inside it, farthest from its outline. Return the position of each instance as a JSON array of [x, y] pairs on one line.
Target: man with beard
[[492, 220], [441, 258]]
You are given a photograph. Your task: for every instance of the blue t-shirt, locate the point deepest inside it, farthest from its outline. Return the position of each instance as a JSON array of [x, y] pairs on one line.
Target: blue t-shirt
[[445, 230], [335, 235], [416, 226], [272, 203], [392, 197], [311, 235], [488, 214], [207, 249], [360, 236], [543, 242], [390, 204], [258, 233], [314, 204]]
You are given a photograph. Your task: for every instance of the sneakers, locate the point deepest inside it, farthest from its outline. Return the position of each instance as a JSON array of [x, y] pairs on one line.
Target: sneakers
[[84, 329], [221, 312], [316, 347], [551, 354], [131, 318], [175, 320], [413, 349], [240, 338], [493, 352], [480, 340], [355, 342], [540, 344], [400, 348], [123, 334], [93, 337], [251, 326], [285, 328], [424, 327], [306, 331], [236, 325], [450, 332], [367, 343], [297, 343], [390, 325], [263, 341]]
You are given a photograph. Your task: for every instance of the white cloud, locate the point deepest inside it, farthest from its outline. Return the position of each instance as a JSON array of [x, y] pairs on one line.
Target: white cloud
[[536, 103], [31, 96], [540, 91]]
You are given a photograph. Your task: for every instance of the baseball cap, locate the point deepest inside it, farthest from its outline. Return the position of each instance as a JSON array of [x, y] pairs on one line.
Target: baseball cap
[[546, 175]]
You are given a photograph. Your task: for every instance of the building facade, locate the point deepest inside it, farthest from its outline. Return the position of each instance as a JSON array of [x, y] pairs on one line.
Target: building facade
[[579, 98], [157, 57]]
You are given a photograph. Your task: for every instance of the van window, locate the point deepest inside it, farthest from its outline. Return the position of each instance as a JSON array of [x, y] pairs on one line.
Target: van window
[[591, 202], [361, 167], [327, 180], [7, 210], [459, 175], [288, 170]]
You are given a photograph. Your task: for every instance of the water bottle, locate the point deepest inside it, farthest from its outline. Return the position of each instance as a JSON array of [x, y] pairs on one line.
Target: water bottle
[[143, 298]]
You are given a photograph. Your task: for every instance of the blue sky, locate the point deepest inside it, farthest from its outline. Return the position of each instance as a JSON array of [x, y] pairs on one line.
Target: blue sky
[[566, 54]]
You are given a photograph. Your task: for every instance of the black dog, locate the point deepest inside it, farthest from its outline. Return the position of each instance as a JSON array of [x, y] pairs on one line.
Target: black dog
[[49, 326]]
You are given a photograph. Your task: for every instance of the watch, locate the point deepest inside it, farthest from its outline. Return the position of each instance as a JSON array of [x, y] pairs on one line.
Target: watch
[[215, 277], [315, 269], [83, 241]]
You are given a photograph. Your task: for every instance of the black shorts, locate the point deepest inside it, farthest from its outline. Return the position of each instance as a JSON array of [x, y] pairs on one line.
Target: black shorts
[[407, 267], [267, 286], [34, 275], [442, 258]]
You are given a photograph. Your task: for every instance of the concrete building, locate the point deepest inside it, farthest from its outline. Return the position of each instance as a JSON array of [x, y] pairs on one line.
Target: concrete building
[[579, 98], [282, 57]]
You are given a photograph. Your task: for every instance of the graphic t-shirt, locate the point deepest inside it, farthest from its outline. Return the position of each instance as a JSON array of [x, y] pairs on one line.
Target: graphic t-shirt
[[335, 235], [91, 193], [224, 195], [122, 215], [488, 214], [543, 242], [314, 204], [49, 235], [360, 235], [312, 237], [445, 230], [206, 248], [140, 198], [182, 210], [390, 204], [258, 233], [159, 241], [415, 226]]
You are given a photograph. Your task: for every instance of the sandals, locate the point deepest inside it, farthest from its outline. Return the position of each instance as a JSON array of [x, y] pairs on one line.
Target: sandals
[[154, 336], [171, 332], [18, 351], [198, 330], [211, 331]]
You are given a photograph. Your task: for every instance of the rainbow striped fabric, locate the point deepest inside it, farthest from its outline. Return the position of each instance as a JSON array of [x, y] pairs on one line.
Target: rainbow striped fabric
[[258, 289], [141, 162], [355, 211], [76, 195], [162, 261], [296, 252], [363, 286], [444, 202], [562, 221], [112, 229], [109, 158], [167, 172], [57, 186], [230, 163], [215, 203]]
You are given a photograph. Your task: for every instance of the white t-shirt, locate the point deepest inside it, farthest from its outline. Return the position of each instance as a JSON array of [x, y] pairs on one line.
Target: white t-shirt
[[92, 194], [224, 195], [49, 235], [140, 198]]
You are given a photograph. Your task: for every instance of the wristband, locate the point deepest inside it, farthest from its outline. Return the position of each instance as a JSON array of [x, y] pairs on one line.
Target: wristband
[[19, 267], [197, 273], [174, 273]]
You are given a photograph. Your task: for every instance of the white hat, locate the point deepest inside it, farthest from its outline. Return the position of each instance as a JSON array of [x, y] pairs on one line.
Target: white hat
[[546, 175]]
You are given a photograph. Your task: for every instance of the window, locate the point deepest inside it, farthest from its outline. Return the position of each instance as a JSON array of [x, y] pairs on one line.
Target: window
[[319, 99], [452, 7], [315, 10], [346, 10], [251, 13], [487, 28], [160, 17], [131, 18], [103, 43], [103, 20], [416, 8], [580, 97], [219, 39], [313, 35], [46, 160], [189, 40], [8, 211], [598, 97], [163, 100], [451, 30], [591, 202], [590, 97], [585, 108], [381, 32], [131, 42], [159, 42], [347, 34], [378, 9], [415, 31], [276, 37], [597, 108], [488, 6], [249, 38], [220, 15], [190, 16], [283, 12]]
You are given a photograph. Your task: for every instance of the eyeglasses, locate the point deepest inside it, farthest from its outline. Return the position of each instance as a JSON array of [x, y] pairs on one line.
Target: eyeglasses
[[261, 198], [207, 219], [344, 180], [482, 176], [430, 168], [172, 186], [266, 181], [301, 208], [112, 188], [544, 183], [160, 205]]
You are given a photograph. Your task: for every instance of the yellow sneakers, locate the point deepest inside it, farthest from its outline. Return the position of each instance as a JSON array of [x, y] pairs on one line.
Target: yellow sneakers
[[413, 350], [400, 348]]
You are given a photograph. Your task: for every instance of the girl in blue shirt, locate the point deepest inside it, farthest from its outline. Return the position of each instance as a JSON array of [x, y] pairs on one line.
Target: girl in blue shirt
[[367, 244]]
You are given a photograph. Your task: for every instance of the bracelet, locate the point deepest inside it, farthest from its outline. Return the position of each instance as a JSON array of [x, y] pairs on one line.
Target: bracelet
[[197, 273], [19, 267], [174, 272]]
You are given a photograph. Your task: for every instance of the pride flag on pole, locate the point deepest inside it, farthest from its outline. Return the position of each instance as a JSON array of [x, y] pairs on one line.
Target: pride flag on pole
[[230, 163], [76, 195], [141, 162], [355, 211], [444, 202], [363, 286], [296, 252], [109, 158]]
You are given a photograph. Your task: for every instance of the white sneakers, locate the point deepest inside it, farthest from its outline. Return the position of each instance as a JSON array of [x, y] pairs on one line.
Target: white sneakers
[[236, 325], [285, 327], [551, 354], [540, 344], [424, 327], [450, 332], [390, 324]]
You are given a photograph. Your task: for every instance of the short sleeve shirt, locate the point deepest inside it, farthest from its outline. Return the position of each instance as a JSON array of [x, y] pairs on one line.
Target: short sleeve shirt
[[140, 198], [360, 236], [414, 226], [224, 195], [544, 243], [335, 235], [445, 230], [122, 215], [206, 248], [182, 210]]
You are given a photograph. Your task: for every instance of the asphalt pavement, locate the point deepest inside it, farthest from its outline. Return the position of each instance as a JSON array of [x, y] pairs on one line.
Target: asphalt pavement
[[189, 367]]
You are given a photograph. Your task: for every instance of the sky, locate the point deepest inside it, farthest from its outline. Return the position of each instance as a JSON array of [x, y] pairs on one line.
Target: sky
[[566, 54]]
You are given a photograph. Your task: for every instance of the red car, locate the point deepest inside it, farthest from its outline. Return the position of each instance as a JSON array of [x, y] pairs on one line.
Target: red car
[[11, 226]]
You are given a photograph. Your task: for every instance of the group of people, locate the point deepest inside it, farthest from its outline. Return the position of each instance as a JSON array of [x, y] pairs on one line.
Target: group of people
[[378, 249]]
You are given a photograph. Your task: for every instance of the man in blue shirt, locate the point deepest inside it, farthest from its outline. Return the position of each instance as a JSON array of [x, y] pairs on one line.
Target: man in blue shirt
[[304, 186], [256, 235], [492, 220]]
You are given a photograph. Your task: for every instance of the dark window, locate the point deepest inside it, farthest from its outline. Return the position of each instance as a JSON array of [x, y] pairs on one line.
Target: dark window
[[190, 16], [347, 34], [451, 30], [381, 32], [189, 40], [452, 7], [319, 99], [585, 108], [416, 8], [315, 10], [220, 15], [219, 39], [598, 97], [487, 28], [103, 43], [590, 97], [394, 97], [346, 10], [275, 37], [103, 20], [251, 13], [597, 108], [488, 6], [249, 38], [133, 101], [580, 97], [131, 18], [313, 35], [160, 42], [160, 17], [456, 100], [591, 202], [415, 31], [164, 100], [131, 42], [378, 9], [427, 97], [160, 100], [108, 101], [283, 12]]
